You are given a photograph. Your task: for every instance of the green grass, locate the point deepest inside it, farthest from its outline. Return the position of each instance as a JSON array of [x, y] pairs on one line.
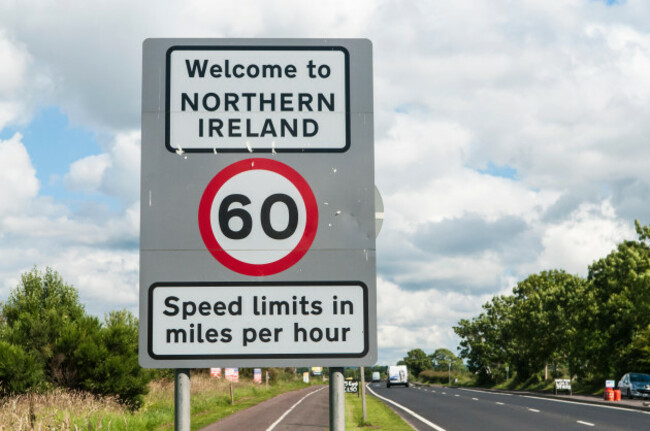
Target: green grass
[[65, 410], [379, 415], [210, 402]]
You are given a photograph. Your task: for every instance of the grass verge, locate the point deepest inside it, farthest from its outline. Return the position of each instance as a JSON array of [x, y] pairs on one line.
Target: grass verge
[[64, 410], [379, 415]]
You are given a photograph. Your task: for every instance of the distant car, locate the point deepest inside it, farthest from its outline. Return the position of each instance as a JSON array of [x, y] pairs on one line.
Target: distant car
[[635, 385], [376, 376]]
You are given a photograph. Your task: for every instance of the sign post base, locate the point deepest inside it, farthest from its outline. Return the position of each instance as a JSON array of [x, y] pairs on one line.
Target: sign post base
[[337, 399], [182, 399]]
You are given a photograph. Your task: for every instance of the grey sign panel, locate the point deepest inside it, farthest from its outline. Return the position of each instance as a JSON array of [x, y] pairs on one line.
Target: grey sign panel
[[257, 206]]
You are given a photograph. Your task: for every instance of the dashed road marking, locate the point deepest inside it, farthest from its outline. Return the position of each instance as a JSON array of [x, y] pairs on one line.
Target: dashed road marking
[[589, 404], [486, 392], [589, 424], [533, 410], [475, 399], [499, 403]]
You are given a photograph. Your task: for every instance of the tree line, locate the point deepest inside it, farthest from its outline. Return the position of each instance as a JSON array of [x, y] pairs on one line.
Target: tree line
[[437, 367], [592, 328]]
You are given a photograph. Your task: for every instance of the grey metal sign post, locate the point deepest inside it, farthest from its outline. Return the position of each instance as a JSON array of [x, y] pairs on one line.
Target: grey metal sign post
[[257, 244]]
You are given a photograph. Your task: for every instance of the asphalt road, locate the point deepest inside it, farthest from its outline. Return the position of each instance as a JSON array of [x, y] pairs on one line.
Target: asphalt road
[[306, 409], [456, 409]]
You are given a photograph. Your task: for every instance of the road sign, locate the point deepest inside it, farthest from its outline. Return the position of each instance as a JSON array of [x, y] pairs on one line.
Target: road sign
[[257, 203], [232, 375], [351, 386], [275, 212], [262, 97]]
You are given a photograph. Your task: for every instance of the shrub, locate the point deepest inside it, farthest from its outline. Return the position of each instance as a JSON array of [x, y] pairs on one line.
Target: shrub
[[19, 370], [433, 376], [46, 338]]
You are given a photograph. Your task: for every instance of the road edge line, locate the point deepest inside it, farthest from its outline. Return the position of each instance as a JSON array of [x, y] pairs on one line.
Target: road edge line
[[411, 412], [274, 424]]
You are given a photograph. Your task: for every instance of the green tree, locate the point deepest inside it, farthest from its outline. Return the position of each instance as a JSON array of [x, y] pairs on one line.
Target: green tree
[[37, 311], [620, 286], [46, 337], [441, 360], [417, 361], [486, 341], [19, 370], [546, 308], [640, 351]]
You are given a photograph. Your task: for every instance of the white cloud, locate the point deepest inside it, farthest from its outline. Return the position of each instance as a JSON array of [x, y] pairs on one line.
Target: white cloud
[[86, 174], [99, 257], [122, 178], [96, 254], [422, 319], [18, 183], [13, 77], [590, 233], [115, 173], [16, 61]]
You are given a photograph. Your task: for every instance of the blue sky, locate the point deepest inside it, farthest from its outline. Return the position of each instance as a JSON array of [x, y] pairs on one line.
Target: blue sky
[[53, 145], [510, 138]]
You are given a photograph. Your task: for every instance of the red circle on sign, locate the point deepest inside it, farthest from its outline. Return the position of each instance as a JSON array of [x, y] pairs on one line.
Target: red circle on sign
[[227, 260]]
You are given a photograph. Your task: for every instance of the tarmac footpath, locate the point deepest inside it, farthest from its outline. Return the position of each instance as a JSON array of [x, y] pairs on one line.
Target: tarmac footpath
[[305, 409]]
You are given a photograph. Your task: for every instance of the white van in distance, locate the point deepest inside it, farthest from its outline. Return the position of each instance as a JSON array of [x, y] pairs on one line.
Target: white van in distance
[[397, 375]]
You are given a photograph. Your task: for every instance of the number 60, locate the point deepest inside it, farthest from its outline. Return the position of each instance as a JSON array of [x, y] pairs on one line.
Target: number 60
[[226, 214]]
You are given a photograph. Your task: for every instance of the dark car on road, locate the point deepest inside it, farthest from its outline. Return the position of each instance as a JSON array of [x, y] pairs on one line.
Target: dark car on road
[[635, 385]]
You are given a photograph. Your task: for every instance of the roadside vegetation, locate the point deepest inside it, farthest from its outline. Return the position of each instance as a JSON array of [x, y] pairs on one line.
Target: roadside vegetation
[[558, 325], [48, 341], [378, 415], [440, 367], [555, 325], [63, 369], [64, 410]]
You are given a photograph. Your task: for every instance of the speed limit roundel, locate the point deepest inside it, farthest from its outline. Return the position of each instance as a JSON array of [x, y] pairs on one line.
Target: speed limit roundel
[[258, 217]]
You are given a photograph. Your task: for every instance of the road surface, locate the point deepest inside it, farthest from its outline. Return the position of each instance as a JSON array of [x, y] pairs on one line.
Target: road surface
[[306, 409], [456, 409]]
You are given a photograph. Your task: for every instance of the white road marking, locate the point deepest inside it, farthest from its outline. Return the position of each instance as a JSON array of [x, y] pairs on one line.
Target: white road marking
[[444, 393], [533, 410], [456, 395], [589, 424], [475, 399], [587, 404], [411, 412], [499, 403], [274, 424], [561, 401], [486, 392]]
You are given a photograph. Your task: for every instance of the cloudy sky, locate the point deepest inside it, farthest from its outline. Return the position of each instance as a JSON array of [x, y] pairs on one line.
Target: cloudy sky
[[511, 137]]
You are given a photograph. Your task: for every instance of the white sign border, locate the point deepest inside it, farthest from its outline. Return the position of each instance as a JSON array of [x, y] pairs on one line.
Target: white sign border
[[366, 334], [244, 149]]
